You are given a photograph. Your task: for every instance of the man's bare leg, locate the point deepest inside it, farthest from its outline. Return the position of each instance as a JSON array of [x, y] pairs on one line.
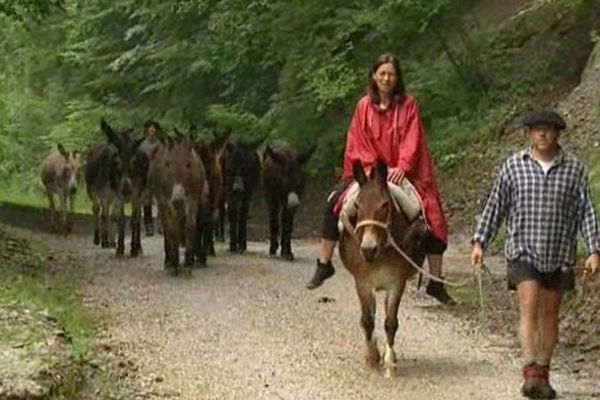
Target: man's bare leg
[[529, 299], [550, 301]]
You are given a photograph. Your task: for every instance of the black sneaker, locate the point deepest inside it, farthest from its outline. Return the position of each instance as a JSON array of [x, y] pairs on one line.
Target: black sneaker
[[322, 272], [437, 290]]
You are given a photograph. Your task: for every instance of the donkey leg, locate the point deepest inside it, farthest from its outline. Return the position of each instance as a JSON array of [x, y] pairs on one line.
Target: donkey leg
[[191, 233], [148, 220], [62, 196], [105, 224], [209, 235], [220, 234], [51, 210], [274, 211], [136, 240], [71, 214], [233, 218], [391, 326], [120, 214], [287, 224], [367, 320], [200, 239], [96, 211], [243, 222]]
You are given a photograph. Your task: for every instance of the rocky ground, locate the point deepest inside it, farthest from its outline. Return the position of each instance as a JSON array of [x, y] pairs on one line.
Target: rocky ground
[[246, 328]]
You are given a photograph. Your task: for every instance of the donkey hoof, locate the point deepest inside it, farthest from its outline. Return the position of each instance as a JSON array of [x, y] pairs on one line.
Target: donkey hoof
[[135, 252], [211, 251], [373, 358], [120, 252], [186, 271], [105, 245], [389, 372], [200, 264], [112, 244], [96, 240], [288, 256]]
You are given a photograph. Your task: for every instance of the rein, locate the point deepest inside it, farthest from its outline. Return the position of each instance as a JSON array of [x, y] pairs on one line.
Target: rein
[[390, 240]]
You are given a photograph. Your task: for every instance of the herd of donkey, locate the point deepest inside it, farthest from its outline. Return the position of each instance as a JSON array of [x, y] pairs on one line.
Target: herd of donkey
[[195, 184]]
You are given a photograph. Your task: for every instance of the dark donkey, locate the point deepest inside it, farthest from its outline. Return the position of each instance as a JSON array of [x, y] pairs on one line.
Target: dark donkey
[[283, 182], [177, 181], [241, 171], [116, 173], [366, 251], [209, 154]]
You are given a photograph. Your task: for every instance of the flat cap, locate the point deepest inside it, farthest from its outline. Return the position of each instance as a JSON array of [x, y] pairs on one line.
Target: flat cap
[[544, 117]]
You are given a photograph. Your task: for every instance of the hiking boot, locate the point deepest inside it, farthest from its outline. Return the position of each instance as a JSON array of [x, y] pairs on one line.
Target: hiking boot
[[531, 386], [322, 272], [437, 290], [545, 389]]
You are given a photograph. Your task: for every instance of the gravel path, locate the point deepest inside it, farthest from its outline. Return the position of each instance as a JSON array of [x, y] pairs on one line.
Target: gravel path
[[245, 328]]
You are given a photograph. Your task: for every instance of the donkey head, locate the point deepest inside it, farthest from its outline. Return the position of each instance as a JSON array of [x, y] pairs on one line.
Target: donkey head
[[69, 172], [374, 210], [131, 161]]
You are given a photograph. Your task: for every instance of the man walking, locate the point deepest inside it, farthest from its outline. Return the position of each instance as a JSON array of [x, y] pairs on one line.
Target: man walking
[[543, 195]]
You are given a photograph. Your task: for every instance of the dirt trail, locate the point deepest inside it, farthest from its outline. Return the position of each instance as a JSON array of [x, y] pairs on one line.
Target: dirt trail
[[245, 328]]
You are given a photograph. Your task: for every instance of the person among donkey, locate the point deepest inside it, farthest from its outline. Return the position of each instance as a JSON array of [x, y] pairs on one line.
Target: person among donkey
[[153, 135], [542, 193], [387, 125]]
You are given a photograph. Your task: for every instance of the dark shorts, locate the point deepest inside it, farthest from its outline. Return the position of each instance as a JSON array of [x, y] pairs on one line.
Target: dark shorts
[[520, 271], [330, 231]]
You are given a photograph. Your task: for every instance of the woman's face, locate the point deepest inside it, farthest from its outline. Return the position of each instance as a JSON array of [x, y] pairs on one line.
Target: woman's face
[[386, 78], [151, 132]]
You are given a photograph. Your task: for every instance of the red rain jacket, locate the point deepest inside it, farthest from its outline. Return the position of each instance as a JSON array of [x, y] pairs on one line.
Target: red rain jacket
[[397, 136]]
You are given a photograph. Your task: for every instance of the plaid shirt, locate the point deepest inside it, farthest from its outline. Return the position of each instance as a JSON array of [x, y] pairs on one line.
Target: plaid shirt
[[544, 211]]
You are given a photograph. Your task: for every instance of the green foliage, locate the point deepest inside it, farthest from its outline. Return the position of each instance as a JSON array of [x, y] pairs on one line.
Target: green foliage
[[22, 9], [262, 68]]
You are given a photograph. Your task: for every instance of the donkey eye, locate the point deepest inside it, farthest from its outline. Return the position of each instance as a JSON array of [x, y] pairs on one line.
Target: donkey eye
[[168, 164], [357, 205], [188, 165]]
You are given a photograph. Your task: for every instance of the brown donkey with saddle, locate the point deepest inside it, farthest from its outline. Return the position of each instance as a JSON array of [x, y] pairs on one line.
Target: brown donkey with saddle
[[365, 250]]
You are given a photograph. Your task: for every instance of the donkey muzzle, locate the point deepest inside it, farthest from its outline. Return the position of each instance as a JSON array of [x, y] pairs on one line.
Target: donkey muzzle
[[293, 201]]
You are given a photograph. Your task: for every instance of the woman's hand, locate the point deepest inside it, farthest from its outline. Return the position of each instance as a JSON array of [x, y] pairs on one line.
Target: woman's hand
[[395, 175], [477, 256]]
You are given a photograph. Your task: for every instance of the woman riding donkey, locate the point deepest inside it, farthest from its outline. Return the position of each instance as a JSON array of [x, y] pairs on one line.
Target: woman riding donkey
[[386, 125]]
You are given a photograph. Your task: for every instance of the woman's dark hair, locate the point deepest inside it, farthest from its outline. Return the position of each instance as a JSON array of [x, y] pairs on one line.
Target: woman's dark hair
[[150, 123], [159, 131], [373, 90]]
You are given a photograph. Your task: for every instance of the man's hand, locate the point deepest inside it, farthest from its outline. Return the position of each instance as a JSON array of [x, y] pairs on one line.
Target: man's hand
[[477, 256], [591, 265], [395, 175]]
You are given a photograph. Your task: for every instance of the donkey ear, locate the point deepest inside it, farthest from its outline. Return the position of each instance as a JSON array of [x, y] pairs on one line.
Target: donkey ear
[[62, 151], [110, 134], [304, 157], [137, 142], [273, 155], [359, 172], [380, 172]]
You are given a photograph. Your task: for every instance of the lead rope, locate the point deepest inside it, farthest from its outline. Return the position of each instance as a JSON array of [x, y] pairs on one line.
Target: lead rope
[[478, 272]]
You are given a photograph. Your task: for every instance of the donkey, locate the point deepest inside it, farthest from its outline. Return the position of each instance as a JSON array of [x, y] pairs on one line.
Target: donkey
[[241, 171], [375, 265], [283, 182], [177, 181], [115, 174], [209, 154], [59, 173]]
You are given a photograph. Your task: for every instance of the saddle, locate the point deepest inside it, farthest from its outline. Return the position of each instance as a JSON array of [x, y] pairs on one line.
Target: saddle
[[404, 196]]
